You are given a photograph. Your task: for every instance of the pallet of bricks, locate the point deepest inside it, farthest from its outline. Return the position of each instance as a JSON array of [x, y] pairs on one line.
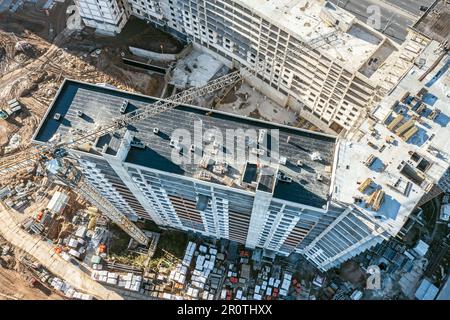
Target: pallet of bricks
[[204, 264], [128, 281], [62, 286], [178, 274]]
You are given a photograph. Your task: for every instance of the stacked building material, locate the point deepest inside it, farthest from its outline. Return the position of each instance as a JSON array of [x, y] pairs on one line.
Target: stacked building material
[[129, 281], [68, 290]]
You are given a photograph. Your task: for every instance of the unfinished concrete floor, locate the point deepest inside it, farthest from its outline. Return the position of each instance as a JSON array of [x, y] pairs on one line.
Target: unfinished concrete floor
[[249, 102]]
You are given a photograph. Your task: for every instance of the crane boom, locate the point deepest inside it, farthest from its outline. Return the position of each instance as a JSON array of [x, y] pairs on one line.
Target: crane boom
[[27, 157]]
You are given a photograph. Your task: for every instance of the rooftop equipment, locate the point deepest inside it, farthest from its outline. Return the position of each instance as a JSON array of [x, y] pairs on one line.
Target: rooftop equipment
[[80, 113], [434, 114], [404, 127], [421, 108], [363, 186], [137, 144], [262, 135], [315, 156], [283, 177], [124, 106], [370, 160], [155, 130], [408, 134], [57, 116], [395, 122], [376, 200]]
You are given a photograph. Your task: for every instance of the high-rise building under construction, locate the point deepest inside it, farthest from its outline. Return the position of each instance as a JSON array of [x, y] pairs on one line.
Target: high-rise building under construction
[[333, 70]]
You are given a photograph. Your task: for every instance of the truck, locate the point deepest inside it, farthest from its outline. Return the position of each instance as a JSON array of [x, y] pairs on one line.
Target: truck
[[35, 283]]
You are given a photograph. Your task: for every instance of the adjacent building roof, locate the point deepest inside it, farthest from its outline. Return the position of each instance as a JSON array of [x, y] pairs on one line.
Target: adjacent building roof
[[324, 25], [434, 22], [406, 150]]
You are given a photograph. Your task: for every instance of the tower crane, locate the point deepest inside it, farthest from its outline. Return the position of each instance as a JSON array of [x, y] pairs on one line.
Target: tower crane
[[53, 155]]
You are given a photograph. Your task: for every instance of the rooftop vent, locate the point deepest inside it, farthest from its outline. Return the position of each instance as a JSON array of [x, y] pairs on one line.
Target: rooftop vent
[[123, 107], [172, 143], [319, 177], [262, 135], [137, 144], [283, 177], [155, 130], [57, 116], [316, 156], [192, 148], [299, 163]]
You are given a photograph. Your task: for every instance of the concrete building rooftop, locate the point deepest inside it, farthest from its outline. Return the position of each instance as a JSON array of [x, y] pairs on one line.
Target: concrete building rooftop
[[434, 23], [349, 41], [403, 165], [296, 177]]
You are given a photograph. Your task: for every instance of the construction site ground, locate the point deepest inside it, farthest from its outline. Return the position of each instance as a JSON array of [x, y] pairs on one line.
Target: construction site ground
[[13, 286], [14, 281]]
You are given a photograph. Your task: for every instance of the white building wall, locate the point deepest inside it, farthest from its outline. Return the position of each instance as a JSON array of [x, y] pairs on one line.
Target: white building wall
[[105, 16]]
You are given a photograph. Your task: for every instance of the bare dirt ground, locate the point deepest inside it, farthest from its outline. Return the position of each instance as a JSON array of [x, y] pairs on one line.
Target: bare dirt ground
[[138, 33], [13, 286], [14, 279]]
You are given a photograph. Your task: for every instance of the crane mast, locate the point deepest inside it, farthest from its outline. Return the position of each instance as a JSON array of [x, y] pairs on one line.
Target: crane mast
[[52, 155], [65, 172]]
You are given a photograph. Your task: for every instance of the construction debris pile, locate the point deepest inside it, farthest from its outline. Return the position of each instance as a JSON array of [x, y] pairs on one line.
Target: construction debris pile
[[19, 196]]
